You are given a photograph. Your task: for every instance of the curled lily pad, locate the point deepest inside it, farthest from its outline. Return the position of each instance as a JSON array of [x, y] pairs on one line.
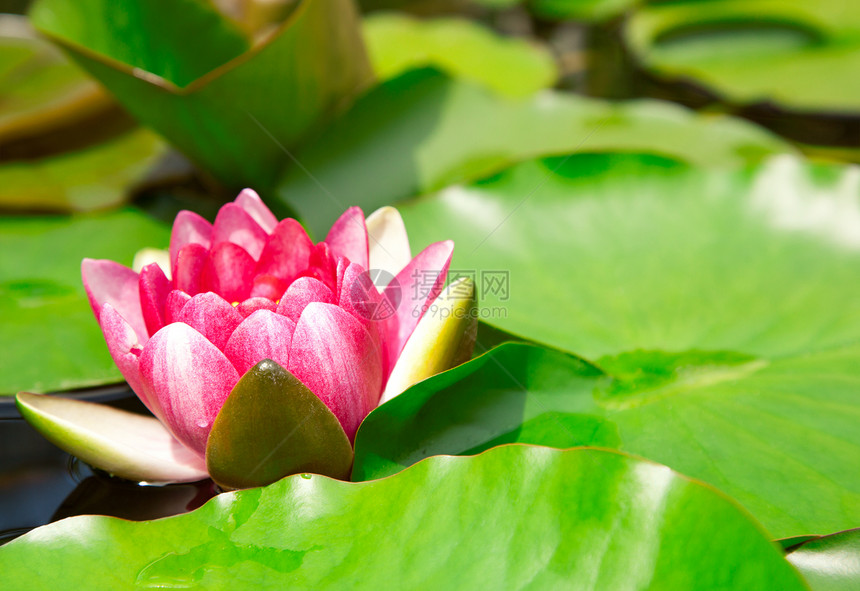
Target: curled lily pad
[[515, 517], [272, 426], [216, 99], [800, 55]]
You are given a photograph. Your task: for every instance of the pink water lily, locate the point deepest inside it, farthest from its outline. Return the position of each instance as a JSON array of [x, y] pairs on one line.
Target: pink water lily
[[249, 287]]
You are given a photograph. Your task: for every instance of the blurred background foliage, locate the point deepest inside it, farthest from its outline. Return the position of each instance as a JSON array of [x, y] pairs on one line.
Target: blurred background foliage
[[132, 110]]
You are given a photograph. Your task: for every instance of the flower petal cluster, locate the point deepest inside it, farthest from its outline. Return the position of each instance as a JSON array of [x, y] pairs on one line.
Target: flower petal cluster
[[249, 287]]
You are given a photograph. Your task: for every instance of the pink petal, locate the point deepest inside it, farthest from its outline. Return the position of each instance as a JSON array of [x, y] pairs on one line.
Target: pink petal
[[342, 264], [302, 292], [348, 237], [176, 300], [229, 272], [212, 316], [287, 251], [335, 357], [251, 203], [188, 228], [251, 305], [188, 270], [125, 348], [190, 378], [234, 224], [263, 335], [322, 265], [154, 286], [107, 282], [419, 283], [268, 286], [360, 297]]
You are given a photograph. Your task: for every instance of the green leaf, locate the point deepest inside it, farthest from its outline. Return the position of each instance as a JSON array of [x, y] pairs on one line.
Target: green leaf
[[779, 437], [461, 48], [215, 99], [122, 443], [423, 131], [50, 338], [515, 517], [800, 55], [830, 563], [272, 426]]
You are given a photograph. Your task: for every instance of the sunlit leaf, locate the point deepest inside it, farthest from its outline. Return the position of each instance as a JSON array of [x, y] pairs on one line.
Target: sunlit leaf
[[515, 517], [830, 563], [460, 47]]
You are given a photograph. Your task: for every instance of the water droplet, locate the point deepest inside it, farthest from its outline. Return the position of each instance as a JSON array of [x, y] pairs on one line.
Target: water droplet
[[306, 476]]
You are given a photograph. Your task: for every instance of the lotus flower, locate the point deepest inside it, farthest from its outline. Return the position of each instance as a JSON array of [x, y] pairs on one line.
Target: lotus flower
[[245, 289]]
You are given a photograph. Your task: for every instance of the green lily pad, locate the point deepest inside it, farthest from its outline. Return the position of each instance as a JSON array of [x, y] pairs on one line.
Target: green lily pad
[[830, 563], [217, 99], [779, 437], [803, 56], [50, 338], [658, 271], [515, 517], [608, 254], [423, 131], [272, 426], [460, 47]]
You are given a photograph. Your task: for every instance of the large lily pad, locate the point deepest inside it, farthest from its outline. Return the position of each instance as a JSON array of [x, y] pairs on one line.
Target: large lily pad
[[231, 107], [608, 254], [50, 339], [423, 131], [460, 47], [514, 518], [801, 55], [780, 437], [677, 281]]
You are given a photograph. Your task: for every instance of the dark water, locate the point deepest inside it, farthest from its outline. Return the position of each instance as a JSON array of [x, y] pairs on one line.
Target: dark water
[[40, 483]]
